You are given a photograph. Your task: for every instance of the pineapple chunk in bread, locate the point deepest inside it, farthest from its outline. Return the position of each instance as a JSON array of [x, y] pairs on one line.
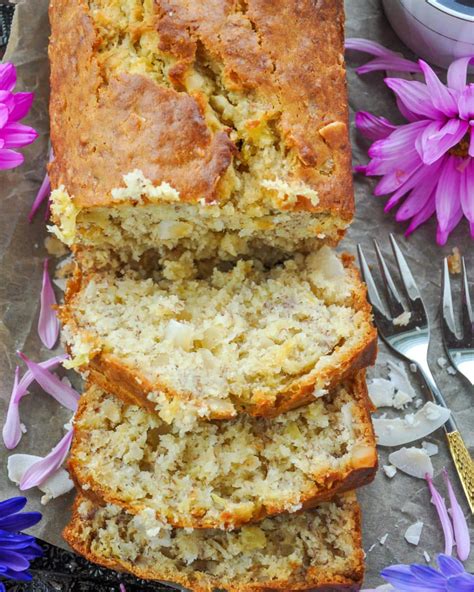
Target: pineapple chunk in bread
[[223, 474], [315, 550], [246, 339]]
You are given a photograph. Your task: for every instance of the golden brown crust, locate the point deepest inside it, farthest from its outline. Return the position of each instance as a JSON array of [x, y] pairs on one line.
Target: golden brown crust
[[105, 124], [357, 473], [200, 582]]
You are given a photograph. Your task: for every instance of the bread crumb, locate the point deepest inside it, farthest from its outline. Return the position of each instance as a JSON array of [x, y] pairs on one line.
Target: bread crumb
[[454, 261], [55, 247], [403, 319]]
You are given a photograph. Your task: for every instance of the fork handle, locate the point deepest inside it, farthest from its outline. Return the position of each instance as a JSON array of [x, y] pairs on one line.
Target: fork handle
[[458, 449], [464, 465]]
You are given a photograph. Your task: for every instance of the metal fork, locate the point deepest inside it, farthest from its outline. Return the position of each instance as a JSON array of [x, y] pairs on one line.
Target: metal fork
[[460, 348], [410, 337]]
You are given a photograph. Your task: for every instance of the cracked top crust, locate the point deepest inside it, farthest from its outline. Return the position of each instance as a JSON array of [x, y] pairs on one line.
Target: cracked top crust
[[199, 95]]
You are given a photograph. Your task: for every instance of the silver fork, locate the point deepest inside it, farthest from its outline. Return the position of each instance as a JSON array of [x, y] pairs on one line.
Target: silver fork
[[410, 337], [460, 348]]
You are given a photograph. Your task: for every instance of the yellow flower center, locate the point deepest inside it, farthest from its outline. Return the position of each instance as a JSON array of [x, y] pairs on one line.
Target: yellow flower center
[[461, 148]]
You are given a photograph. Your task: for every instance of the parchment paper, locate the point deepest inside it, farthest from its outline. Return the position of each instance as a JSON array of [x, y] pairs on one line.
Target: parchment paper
[[389, 506]]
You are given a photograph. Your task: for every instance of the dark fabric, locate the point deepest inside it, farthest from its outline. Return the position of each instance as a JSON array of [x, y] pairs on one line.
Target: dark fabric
[[62, 571]]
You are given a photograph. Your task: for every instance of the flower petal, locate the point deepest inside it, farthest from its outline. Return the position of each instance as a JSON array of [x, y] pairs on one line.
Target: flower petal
[[44, 468], [437, 139], [7, 76], [467, 194], [12, 505], [460, 528], [440, 506], [18, 522], [14, 560], [403, 580], [466, 102], [449, 566], [457, 73], [4, 115], [422, 175], [373, 127], [471, 141], [398, 179], [388, 59], [442, 97], [448, 204], [402, 139], [48, 323], [43, 193], [423, 215], [415, 96], [11, 428], [418, 197], [9, 159], [17, 135], [28, 377], [21, 105], [461, 583], [428, 575], [50, 383]]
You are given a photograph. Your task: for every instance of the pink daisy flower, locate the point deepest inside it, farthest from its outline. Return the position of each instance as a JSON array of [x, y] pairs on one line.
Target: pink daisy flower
[[13, 107], [426, 164]]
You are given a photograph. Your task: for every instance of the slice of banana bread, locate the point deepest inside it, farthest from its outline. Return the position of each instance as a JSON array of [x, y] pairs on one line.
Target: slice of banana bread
[[222, 474], [220, 127], [315, 550], [251, 339]]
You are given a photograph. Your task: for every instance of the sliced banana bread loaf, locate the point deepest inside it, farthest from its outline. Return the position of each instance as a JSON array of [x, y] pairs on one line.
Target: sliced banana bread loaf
[[316, 550], [244, 339], [226, 473]]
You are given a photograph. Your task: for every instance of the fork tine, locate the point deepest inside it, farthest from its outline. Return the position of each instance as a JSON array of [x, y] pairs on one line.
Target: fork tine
[[467, 316], [448, 312], [372, 292], [408, 280], [393, 297]]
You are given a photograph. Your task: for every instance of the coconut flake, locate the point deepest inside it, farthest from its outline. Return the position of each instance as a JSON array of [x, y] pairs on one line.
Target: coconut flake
[[389, 470], [413, 533], [55, 486], [381, 392], [400, 380], [451, 370], [412, 461], [431, 449], [383, 538], [427, 557], [399, 431]]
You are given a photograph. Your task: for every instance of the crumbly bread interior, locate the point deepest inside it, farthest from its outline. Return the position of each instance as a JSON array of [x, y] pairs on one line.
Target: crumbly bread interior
[[299, 550], [261, 197], [224, 473], [126, 231], [233, 339]]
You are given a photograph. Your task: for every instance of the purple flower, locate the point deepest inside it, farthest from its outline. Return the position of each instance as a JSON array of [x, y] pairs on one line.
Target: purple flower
[[426, 164], [16, 549], [449, 577], [13, 107]]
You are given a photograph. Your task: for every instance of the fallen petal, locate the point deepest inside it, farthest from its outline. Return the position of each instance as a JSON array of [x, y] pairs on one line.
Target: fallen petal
[[443, 515], [460, 528], [48, 323], [47, 466], [11, 429], [50, 383]]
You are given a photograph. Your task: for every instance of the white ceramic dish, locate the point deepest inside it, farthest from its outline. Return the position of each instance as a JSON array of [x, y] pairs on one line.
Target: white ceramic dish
[[438, 31]]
